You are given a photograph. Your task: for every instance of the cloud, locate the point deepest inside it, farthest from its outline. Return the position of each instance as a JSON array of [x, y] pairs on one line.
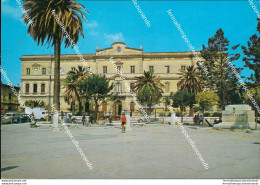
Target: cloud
[[14, 12], [91, 27], [110, 38], [92, 24], [93, 33]]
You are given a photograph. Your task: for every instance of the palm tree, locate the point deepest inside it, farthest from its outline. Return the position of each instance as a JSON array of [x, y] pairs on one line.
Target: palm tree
[[148, 80], [190, 81], [34, 103], [149, 89], [79, 74], [71, 84], [45, 29], [71, 94]]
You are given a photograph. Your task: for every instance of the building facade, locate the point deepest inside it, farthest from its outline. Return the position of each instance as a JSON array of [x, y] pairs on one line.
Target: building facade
[[9, 102], [38, 75]]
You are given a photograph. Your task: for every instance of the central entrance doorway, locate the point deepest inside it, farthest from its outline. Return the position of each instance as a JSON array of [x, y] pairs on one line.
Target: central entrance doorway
[[117, 109]]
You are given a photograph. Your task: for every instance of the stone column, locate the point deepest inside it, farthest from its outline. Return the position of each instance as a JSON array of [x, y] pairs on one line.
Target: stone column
[[128, 122], [55, 120], [173, 118]]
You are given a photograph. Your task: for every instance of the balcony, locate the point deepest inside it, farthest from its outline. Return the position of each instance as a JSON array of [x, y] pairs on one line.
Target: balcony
[[121, 94]]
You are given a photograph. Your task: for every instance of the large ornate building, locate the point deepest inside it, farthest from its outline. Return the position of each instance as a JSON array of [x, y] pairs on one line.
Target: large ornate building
[[38, 74]]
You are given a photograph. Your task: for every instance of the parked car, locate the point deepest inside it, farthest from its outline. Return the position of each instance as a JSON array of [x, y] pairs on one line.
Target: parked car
[[11, 117]]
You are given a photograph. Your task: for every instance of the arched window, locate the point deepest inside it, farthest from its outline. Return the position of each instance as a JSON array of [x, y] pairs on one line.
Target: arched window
[[104, 107], [132, 106]]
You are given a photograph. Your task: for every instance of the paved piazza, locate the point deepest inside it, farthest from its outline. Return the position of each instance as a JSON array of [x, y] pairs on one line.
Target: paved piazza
[[143, 152]]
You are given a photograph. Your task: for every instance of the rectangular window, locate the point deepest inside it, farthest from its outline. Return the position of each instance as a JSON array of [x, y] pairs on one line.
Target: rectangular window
[[28, 71], [43, 71], [132, 106], [167, 69], [27, 88], [151, 69], [118, 87], [132, 87], [36, 70], [34, 88], [104, 69], [42, 88], [132, 69], [183, 67], [73, 69], [167, 87], [118, 69]]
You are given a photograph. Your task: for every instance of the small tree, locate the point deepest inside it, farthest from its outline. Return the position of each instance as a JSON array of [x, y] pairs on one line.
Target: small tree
[[206, 100], [149, 97], [181, 99], [97, 88]]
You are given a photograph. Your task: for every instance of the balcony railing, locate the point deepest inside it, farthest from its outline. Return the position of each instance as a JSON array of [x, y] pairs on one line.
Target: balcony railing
[[121, 93]]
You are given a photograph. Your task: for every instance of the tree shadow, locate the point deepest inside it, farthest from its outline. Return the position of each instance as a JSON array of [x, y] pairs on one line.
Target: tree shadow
[[8, 168]]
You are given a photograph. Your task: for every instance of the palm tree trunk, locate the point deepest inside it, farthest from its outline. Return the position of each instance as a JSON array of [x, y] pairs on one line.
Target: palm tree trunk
[[56, 96], [96, 110], [73, 108], [181, 117], [80, 107], [79, 100]]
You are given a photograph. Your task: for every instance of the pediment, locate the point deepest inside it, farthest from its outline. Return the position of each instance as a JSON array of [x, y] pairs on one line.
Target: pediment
[[119, 48], [36, 65]]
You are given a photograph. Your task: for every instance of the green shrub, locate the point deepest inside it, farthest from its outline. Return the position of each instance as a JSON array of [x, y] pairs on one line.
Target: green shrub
[[178, 114], [207, 114], [217, 114]]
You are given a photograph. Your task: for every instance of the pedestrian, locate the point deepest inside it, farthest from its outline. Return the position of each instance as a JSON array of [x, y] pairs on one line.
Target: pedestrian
[[198, 119], [123, 121], [201, 119], [83, 120], [110, 118], [62, 115], [195, 119], [91, 119]]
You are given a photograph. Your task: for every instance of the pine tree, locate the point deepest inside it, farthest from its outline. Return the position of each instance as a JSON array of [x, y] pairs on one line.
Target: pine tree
[[252, 57], [220, 78]]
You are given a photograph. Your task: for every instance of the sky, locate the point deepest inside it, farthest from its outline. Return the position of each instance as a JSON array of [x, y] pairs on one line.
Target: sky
[[111, 21]]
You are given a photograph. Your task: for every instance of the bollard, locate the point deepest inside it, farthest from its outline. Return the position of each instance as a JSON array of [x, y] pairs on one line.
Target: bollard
[[20, 120]]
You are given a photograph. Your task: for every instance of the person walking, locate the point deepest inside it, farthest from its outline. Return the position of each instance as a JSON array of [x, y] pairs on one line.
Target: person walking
[[62, 115], [123, 122], [201, 119], [83, 120]]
